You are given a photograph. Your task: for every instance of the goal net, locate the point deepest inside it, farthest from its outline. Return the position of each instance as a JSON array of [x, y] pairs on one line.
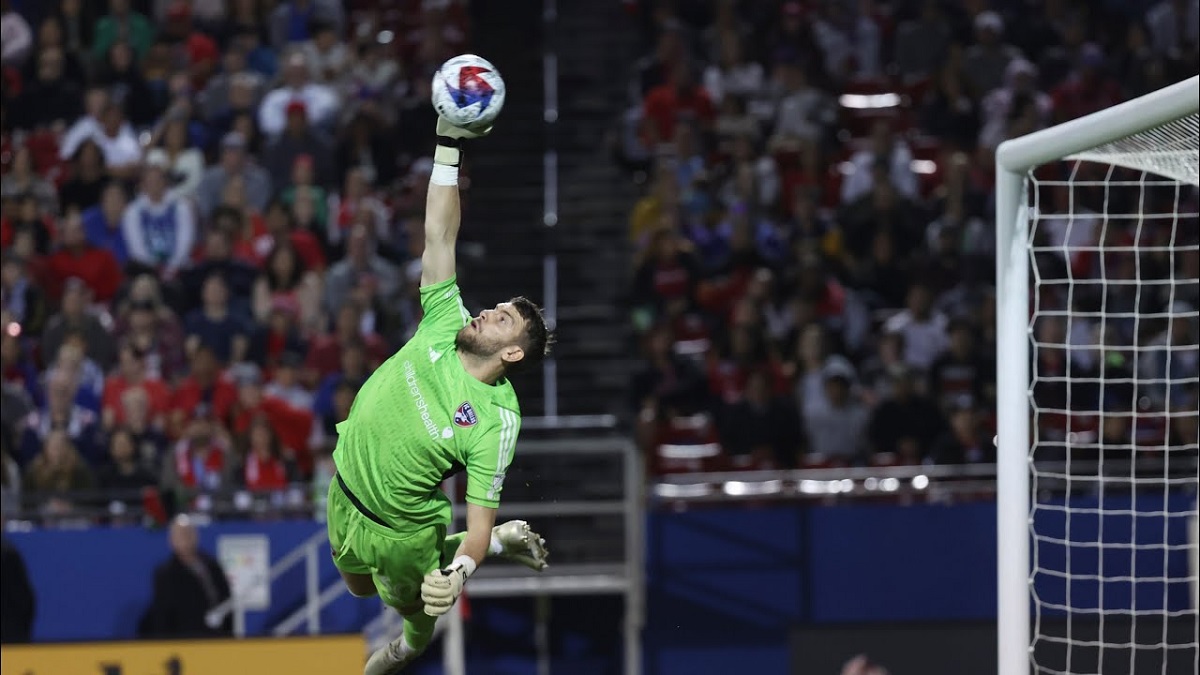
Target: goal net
[[1104, 294]]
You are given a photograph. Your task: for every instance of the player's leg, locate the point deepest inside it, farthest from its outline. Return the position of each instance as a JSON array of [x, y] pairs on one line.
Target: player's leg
[[403, 563], [340, 524]]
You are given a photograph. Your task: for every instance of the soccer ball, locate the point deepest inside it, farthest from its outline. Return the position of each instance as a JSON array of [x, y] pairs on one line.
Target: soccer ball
[[468, 91]]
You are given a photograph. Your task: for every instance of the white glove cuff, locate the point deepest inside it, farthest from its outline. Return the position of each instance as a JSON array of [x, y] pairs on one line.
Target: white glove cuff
[[467, 563], [446, 154]]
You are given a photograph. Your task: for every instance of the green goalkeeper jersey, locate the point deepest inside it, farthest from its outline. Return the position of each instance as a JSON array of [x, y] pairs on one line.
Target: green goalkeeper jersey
[[422, 417]]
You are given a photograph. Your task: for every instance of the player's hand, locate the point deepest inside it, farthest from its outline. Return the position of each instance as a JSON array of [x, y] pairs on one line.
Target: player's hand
[[441, 588], [448, 130]]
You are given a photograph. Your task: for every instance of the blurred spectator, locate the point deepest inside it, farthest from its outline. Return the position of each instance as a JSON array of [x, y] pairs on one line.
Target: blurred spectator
[[291, 425], [292, 20], [323, 354], [921, 43], [923, 329], [124, 474], [19, 602], [835, 422], [58, 470], [263, 465], [216, 259], [762, 428], [15, 35], [804, 112], [234, 162], [287, 280], [965, 441], [905, 424], [680, 96], [215, 326], [75, 316], [21, 299], [159, 227], [984, 62], [122, 23], [963, 372], [202, 392], [362, 266], [353, 373], [187, 588], [296, 141], [1087, 89], [49, 99], [118, 143], [286, 384], [185, 164], [327, 56], [88, 176], [23, 179], [202, 457], [77, 258], [131, 374], [152, 329], [316, 103], [102, 223], [1174, 27]]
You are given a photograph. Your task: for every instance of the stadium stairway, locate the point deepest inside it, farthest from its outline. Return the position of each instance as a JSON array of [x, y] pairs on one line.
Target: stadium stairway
[[594, 201], [502, 208], [506, 200]]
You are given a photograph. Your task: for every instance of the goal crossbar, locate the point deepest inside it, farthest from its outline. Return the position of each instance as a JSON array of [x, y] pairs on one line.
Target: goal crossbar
[[1014, 159]]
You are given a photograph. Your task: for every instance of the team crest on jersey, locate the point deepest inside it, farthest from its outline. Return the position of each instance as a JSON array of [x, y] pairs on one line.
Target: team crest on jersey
[[465, 415]]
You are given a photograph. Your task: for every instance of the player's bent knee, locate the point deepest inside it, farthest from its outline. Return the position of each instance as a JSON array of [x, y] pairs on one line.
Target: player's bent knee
[[359, 585]]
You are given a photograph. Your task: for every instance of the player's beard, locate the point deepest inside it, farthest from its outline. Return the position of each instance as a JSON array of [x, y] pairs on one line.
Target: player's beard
[[472, 344]]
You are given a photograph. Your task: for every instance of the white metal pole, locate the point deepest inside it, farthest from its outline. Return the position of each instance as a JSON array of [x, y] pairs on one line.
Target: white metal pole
[[550, 198], [313, 581], [454, 656], [1012, 408], [239, 617], [634, 518]]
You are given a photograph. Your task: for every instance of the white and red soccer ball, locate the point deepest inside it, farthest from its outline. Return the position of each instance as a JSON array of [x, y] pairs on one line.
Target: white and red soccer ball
[[468, 91]]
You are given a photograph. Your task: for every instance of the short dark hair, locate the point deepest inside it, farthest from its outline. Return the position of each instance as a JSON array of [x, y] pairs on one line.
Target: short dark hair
[[537, 340]]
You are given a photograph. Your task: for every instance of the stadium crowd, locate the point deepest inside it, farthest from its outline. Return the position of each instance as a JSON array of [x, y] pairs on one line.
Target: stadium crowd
[[210, 209], [813, 282]]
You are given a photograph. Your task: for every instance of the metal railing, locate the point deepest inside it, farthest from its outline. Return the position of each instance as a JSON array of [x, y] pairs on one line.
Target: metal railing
[[308, 553], [560, 579]]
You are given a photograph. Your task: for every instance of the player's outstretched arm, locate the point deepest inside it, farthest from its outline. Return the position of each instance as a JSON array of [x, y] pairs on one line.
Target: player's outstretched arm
[[442, 210]]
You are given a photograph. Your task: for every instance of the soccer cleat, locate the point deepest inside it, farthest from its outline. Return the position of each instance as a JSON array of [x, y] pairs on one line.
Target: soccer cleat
[[521, 544], [390, 659]]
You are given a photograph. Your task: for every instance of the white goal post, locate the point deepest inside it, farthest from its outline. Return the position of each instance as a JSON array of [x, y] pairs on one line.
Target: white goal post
[[1155, 137]]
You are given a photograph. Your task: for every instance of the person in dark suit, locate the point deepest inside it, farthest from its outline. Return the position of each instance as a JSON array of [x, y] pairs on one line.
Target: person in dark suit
[[187, 588], [16, 596]]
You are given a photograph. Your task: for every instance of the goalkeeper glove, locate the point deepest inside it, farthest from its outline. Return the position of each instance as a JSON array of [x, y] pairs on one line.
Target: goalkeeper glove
[[447, 130], [442, 587], [449, 142]]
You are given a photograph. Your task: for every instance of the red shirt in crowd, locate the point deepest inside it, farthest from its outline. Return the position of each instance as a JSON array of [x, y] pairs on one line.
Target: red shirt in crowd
[[189, 395], [96, 267], [115, 387], [666, 104], [292, 426], [325, 355], [264, 473]]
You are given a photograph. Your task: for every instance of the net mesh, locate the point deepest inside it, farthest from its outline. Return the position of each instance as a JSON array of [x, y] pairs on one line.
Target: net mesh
[[1113, 390]]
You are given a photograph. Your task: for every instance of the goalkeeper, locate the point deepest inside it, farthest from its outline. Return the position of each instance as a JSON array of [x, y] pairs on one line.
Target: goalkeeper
[[441, 405]]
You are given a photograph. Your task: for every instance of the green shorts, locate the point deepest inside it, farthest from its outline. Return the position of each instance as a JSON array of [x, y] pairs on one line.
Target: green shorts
[[397, 561]]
